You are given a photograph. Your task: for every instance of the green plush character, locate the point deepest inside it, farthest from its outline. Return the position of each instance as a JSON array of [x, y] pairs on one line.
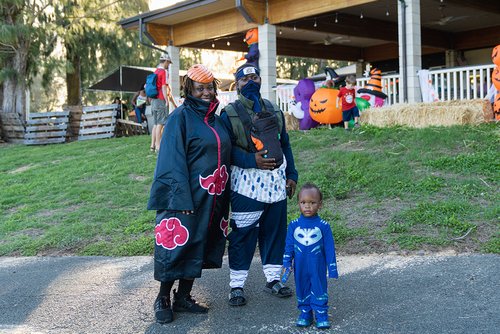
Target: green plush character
[[362, 104]]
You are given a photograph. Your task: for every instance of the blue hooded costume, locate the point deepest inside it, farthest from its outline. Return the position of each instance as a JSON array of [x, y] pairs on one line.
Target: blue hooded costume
[[311, 248], [192, 174]]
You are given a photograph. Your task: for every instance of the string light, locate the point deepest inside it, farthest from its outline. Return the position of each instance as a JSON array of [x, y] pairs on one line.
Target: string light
[[294, 27], [213, 45], [336, 17], [281, 32], [228, 43], [361, 16], [315, 23], [387, 12]]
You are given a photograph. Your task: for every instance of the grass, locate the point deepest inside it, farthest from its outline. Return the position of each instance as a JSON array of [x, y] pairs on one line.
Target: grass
[[384, 190]]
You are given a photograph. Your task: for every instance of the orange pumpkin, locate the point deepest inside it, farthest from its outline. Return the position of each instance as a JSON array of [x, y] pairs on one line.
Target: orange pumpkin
[[495, 55], [252, 36], [496, 107], [322, 106], [495, 77]]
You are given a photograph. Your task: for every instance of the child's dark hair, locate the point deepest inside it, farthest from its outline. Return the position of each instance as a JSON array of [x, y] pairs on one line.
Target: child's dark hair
[[309, 185], [351, 78]]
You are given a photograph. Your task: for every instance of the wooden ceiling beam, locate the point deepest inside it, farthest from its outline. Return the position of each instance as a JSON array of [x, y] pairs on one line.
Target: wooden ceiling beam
[[351, 25], [159, 32], [285, 10], [289, 47], [480, 38], [491, 6], [368, 28], [435, 38], [252, 10], [210, 27], [390, 51]]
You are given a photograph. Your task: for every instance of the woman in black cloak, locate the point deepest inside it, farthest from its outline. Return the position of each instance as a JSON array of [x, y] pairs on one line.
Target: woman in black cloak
[[190, 193]]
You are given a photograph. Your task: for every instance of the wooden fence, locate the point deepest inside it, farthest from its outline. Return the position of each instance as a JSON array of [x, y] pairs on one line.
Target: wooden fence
[[12, 127], [97, 122], [46, 128]]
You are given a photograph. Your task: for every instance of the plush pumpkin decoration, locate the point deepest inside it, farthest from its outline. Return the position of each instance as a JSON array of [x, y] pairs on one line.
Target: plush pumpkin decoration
[[495, 55], [322, 106], [495, 77], [496, 107], [252, 36]]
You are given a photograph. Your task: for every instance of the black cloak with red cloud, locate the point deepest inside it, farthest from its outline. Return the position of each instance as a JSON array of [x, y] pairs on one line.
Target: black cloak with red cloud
[[192, 174]]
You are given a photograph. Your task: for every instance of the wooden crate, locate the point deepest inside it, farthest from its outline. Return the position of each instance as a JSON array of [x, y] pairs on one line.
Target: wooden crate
[[12, 127], [97, 122], [130, 128], [46, 128]]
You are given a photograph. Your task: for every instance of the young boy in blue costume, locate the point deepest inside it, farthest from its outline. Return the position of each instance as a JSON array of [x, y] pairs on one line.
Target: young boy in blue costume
[[310, 253]]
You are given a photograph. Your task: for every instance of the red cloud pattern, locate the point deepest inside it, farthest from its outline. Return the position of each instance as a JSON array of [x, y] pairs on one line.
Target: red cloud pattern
[[170, 233], [215, 183], [224, 226]]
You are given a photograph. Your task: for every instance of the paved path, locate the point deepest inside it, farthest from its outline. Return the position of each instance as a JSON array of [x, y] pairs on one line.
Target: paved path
[[443, 293]]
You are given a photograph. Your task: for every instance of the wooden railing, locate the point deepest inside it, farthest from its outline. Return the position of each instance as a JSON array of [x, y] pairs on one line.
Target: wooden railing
[[462, 83], [458, 83]]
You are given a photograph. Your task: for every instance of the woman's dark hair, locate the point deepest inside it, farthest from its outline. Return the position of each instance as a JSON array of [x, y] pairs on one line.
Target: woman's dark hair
[[310, 186], [188, 85]]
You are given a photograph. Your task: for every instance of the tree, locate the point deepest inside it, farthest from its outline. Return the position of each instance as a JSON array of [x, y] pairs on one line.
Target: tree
[[30, 30], [94, 43], [23, 40]]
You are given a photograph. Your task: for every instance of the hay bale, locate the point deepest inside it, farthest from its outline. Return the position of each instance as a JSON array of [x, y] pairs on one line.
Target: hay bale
[[421, 115], [291, 122]]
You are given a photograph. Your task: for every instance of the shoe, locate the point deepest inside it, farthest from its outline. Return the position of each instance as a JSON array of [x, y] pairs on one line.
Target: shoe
[[276, 288], [347, 130], [323, 324], [305, 319], [356, 125], [322, 320], [187, 304], [237, 297], [163, 311]]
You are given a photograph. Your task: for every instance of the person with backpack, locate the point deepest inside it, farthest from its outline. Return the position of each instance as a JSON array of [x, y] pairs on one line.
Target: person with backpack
[[159, 99], [263, 174], [190, 193]]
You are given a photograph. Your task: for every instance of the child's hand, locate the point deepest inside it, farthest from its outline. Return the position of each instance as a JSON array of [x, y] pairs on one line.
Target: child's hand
[[333, 274], [285, 273]]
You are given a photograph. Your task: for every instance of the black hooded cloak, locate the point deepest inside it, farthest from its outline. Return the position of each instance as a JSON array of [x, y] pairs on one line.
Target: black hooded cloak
[[192, 174]]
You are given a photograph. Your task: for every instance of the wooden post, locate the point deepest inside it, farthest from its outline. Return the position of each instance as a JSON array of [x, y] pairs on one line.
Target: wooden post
[[75, 116]]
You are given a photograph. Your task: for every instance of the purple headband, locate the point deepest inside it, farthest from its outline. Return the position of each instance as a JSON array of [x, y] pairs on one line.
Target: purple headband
[[245, 71]]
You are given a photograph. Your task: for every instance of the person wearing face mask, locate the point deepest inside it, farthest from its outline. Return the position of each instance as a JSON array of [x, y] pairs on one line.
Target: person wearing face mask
[[262, 175], [190, 195]]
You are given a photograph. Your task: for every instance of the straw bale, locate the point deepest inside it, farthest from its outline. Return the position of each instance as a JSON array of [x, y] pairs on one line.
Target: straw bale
[[420, 115], [291, 122]]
